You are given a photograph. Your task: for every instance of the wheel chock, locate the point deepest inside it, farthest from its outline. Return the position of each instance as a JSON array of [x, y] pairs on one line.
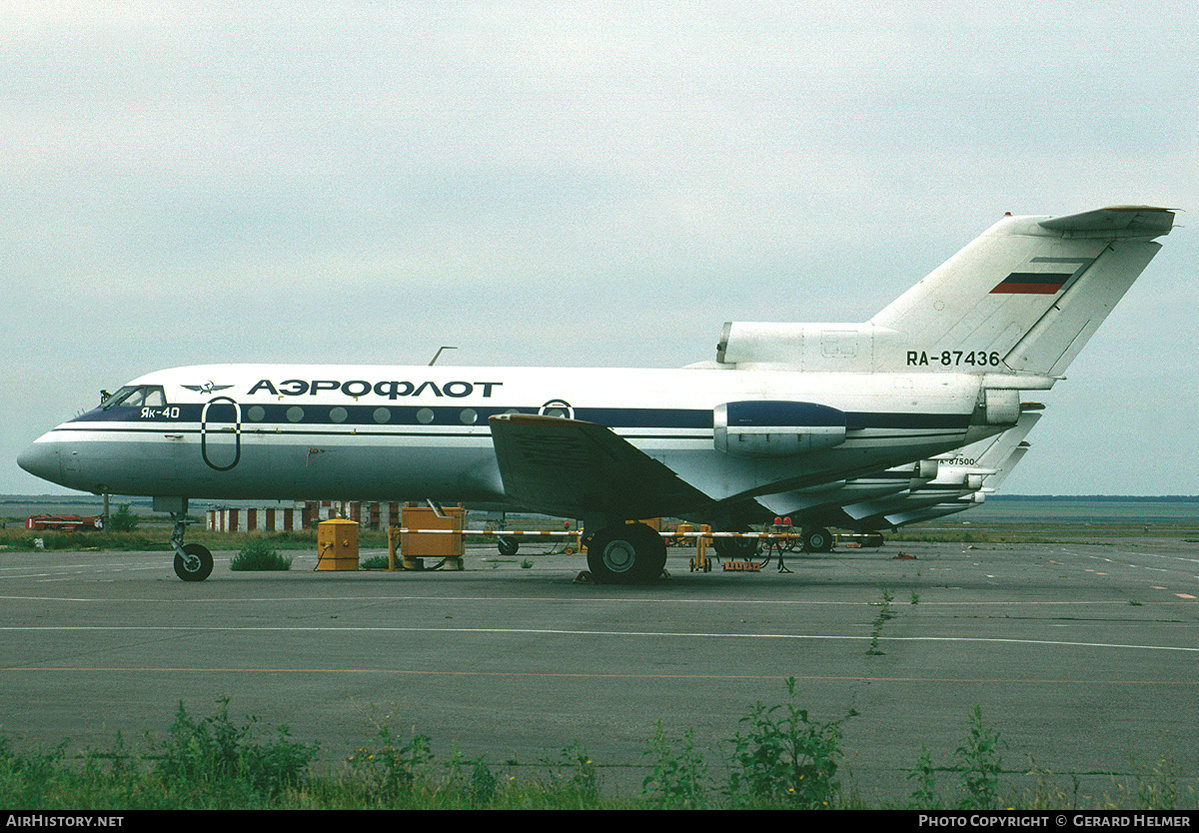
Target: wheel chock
[[584, 577]]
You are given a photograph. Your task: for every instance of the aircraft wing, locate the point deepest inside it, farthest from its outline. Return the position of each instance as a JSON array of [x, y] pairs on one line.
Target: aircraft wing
[[576, 469]]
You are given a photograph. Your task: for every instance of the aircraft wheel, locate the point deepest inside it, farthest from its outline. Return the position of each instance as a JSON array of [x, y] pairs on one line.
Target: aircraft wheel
[[626, 554], [817, 539], [507, 546], [195, 564]]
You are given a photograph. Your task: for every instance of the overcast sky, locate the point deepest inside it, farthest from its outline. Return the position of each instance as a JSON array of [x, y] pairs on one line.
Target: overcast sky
[[575, 183]]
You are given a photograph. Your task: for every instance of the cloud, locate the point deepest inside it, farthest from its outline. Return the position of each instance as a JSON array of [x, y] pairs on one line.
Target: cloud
[[576, 183]]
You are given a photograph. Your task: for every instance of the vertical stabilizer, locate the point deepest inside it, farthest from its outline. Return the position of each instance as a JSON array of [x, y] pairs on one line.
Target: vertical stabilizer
[[1021, 299], [1025, 296]]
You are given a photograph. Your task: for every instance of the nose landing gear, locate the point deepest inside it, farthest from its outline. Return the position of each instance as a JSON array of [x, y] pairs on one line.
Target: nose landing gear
[[193, 562]]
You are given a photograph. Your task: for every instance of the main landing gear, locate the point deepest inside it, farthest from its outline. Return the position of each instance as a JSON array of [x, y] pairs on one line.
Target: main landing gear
[[626, 554], [817, 539], [193, 562]]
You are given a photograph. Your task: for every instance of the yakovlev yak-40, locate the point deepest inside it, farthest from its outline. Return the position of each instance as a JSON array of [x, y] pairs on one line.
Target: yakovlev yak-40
[[784, 410]]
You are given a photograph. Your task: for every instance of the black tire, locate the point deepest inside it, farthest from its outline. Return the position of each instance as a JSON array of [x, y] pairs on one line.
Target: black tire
[[817, 539], [197, 566], [626, 554], [507, 546]]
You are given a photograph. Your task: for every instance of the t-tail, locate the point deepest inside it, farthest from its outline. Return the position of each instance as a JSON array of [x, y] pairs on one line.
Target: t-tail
[[1022, 299]]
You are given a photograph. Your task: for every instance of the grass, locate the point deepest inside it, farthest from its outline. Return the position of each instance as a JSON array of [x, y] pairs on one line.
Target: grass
[[780, 756], [1040, 532]]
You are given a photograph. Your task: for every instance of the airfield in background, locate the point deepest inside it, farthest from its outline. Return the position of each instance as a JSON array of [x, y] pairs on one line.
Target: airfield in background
[[1018, 509]]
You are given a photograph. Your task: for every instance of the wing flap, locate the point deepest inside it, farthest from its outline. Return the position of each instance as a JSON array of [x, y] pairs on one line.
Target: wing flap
[[576, 469]]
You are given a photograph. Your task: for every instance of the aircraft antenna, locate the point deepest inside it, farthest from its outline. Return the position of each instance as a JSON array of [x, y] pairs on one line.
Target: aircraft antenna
[[437, 355]]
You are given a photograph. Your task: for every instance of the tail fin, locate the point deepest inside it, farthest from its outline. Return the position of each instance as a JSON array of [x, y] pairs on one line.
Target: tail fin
[[1027, 294], [1022, 298]]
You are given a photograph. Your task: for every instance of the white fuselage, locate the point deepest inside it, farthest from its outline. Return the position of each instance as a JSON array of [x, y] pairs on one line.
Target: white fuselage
[[397, 433]]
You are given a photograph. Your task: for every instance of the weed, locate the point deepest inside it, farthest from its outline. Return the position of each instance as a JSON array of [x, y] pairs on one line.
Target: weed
[[786, 757], [1157, 789], [258, 554], [924, 797], [979, 761], [212, 755], [392, 769], [575, 772], [123, 520], [885, 615], [780, 758], [676, 781], [56, 541], [471, 780], [483, 782], [29, 779], [1047, 795]]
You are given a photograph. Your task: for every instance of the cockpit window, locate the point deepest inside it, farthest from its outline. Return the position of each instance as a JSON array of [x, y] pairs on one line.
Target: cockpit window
[[132, 396], [118, 397]]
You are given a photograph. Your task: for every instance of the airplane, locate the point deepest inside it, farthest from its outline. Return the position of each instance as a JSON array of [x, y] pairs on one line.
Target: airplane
[[865, 504], [991, 484], [964, 479], [783, 408]]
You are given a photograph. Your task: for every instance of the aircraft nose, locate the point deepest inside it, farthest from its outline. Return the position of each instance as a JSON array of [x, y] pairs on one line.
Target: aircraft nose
[[41, 459]]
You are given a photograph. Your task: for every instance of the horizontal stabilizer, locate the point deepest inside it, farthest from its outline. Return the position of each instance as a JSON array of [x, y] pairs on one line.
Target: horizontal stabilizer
[[1115, 221], [572, 469]]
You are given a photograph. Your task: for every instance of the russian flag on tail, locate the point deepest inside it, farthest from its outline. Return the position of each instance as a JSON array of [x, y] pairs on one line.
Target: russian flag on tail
[[1031, 283]]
